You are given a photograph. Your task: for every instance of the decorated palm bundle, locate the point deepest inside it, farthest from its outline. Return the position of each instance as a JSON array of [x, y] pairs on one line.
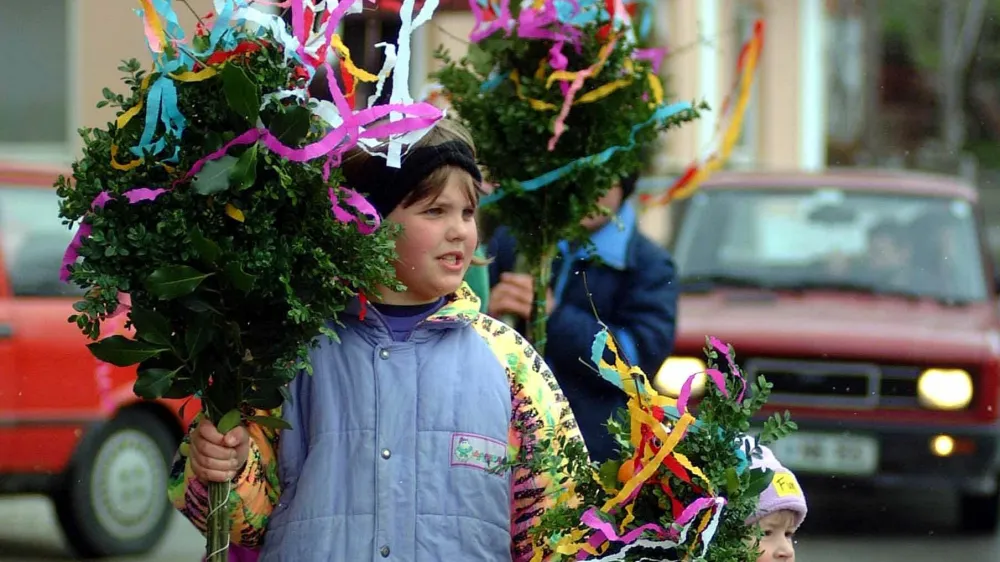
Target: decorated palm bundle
[[561, 99], [210, 211], [682, 488]]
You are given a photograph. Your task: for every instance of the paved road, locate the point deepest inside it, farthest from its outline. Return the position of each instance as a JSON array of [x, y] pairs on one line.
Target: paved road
[[29, 532], [857, 527]]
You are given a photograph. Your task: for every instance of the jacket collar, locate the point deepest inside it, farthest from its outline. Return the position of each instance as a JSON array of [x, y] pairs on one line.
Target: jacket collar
[[460, 308]]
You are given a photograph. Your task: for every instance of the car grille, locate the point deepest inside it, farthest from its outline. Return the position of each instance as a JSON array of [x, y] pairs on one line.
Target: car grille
[[833, 384]]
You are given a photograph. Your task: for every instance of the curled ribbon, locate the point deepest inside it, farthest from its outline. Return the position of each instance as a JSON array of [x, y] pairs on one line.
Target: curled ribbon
[[699, 171]]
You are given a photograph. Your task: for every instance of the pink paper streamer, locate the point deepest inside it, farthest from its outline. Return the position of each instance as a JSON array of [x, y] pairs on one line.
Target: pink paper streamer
[[72, 252], [559, 127], [340, 139], [654, 55], [693, 509], [592, 520], [557, 60], [143, 194], [685, 394], [722, 348], [544, 24], [360, 204], [102, 374], [482, 28]]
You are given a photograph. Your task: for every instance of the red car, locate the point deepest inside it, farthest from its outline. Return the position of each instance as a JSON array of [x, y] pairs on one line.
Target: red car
[[70, 426], [868, 299]]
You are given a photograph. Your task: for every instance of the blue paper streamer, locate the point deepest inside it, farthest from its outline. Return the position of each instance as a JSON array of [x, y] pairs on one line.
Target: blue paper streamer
[[596, 355], [161, 107], [661, 114], [493, 82], [592, 11], [646, 23], [222, 30]]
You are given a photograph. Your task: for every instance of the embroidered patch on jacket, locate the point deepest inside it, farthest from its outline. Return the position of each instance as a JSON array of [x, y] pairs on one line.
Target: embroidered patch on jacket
[[476, 451]]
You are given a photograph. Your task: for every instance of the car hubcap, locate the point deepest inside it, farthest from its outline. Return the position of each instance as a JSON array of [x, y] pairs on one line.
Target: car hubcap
[[128, 484]]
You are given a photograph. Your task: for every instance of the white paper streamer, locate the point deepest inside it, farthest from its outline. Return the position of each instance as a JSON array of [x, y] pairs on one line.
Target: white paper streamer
[[401, 79], [383, 74]]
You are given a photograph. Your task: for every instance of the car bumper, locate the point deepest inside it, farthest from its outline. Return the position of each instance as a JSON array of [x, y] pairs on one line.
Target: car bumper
[[906, 458]]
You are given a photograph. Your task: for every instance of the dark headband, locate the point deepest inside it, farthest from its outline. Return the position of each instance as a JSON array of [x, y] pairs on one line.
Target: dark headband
[[386, 187]]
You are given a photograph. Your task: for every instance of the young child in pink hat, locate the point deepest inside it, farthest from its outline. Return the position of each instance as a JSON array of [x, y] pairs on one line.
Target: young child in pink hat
[[780, 511]]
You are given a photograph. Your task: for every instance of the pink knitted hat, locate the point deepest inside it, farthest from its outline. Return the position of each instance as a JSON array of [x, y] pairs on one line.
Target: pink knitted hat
[[784, 491]]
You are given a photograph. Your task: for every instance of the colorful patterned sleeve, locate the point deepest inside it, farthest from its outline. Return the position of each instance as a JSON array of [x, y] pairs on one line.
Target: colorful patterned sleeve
[[254, 494], [539, 412]]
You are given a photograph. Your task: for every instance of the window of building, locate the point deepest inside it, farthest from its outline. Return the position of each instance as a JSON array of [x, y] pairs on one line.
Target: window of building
[[35, 90], [846, 73]]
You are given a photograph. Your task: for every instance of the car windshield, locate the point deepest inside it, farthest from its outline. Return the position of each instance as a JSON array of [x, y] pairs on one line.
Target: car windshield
[[33, 240], [828, 238]]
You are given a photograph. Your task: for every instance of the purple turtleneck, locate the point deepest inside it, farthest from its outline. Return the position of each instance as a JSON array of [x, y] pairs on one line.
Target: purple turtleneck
[[402, 319]]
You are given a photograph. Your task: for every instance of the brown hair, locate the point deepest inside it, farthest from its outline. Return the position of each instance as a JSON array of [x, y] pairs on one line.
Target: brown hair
[[429, 188]]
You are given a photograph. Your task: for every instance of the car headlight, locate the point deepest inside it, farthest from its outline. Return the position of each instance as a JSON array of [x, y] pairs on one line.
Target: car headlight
[[944, 389], [674, 371]]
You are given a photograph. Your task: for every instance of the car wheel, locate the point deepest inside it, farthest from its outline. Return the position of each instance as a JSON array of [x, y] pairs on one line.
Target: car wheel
[[979, 514], [113, 501]]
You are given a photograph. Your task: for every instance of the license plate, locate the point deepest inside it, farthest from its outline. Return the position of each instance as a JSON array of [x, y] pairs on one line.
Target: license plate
[[819, 453]]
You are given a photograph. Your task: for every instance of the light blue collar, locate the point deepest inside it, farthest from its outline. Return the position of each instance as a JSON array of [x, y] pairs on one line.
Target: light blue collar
[[610, 242]]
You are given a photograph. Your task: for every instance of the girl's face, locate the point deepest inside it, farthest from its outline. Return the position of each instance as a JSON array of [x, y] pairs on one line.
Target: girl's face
[[437, 243], [779, 532]]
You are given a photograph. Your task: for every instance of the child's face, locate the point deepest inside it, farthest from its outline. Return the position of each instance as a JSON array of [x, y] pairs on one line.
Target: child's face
[[777, 543], [613, 201], [437, 243]]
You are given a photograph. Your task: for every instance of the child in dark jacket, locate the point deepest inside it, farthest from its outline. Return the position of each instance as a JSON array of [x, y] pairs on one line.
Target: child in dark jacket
[[633, 287]]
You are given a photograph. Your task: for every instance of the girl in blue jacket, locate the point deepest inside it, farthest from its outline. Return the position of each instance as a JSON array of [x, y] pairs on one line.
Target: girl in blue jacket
[[397, 436]]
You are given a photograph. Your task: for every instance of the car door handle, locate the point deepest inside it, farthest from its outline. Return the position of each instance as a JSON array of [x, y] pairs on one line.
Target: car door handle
[[6, 331]]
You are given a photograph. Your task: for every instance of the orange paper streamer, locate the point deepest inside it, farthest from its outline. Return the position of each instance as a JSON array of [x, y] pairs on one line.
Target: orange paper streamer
[[698, 172]]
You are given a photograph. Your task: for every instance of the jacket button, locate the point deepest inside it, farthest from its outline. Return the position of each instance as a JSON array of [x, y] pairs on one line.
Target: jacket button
[[384, 551], [386, 453], [384, 354]]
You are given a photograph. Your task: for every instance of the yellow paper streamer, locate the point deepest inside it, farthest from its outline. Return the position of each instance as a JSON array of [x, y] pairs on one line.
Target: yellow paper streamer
[[123, 120], [668, 446], [536, 104], [349, 65], [656, 87], [203, 74], [603, 91], [686, 463], [234, 213]]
